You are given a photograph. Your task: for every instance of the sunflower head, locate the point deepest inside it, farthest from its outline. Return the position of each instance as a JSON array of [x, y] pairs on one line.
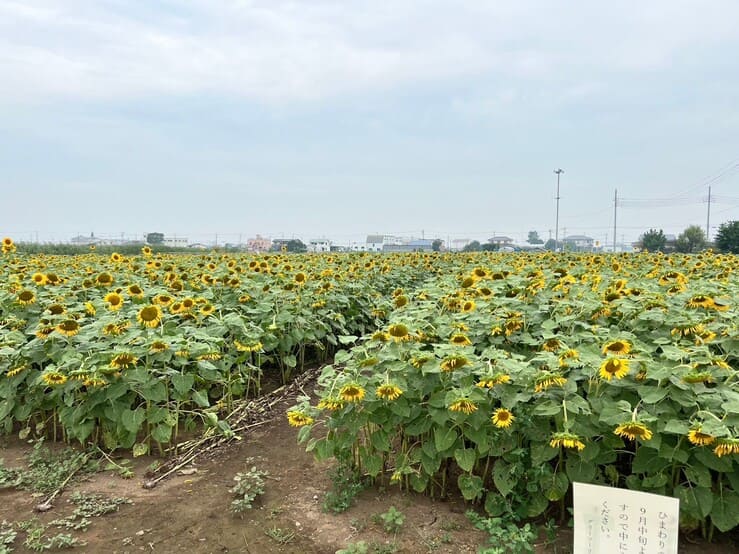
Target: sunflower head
[[297, 418], [352, 392], [697, 437], [566, 439], [502, 418], [463, 405], [150, 316], [633, 430], [617, 347], [452, 363], [68, 328], [388, 391], [460, 339], [399, 332], [614, 367]]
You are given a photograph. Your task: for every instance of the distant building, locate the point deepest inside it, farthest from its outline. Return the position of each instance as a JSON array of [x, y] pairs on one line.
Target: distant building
[[459, 244], [413, 245], [319, 245], [579, 242], [501, 240], [258, 244], [175, 241], [82, 240]]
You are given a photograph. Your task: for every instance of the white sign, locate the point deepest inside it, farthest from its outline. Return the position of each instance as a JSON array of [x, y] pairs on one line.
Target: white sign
[[620, 521]]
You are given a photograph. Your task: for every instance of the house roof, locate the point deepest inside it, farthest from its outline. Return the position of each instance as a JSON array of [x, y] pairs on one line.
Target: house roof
[[577, 237], [421, 242], [500, 238], [375, 239]]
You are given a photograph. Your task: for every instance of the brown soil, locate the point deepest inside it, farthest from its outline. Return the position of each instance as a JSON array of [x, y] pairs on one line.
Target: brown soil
[[190, 513]]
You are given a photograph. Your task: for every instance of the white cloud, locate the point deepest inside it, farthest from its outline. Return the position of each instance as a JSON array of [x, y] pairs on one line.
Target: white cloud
[[277, 50]]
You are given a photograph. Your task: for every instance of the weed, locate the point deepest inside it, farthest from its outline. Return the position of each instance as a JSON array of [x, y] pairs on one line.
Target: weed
[[249, 485], [392, 520], [360, 547], [347, 484], [505, 532], [7, 537], [281, 536], [37, 540]]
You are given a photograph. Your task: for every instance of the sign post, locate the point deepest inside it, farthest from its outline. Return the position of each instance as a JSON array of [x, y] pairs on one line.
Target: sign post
[[621, 521]]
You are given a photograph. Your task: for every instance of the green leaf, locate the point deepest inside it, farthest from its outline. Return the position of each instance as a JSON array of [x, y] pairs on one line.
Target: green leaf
[[579, 469], [133, 419], [677, 427], [652, 395], [725, 512], [140, 449], [711, 461], [200, 398], [696, 501], [556, 486], [495, 504], [536, 506], [372, 464], [444, 438], [466, 458], [470, 486], [380, 441], [162, 433], [182, 383], [504, 481]]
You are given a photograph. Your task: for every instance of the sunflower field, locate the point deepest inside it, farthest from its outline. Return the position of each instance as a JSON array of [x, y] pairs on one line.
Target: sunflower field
[[129, 351], [506, 377], [500, 377]]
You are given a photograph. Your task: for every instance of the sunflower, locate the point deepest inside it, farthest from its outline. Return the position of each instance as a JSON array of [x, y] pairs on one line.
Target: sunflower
[[298, 419], [551, 345], [53, 378], [43, 332], [388, 391], [300, 278], [52, 279], [566, 440], [146, 251], [158, 347], [614, 367], [502, 418], [419, 361], [698, 377], [460, 339], [104, 279], [399, 332], [451, 363], [567, 357], [56, 309], [68, 328], [700, 301], [548, 380], [26, 297], [724, 447], [16, 370], [188, 303], [123, 360], [114, 300], [352, 392], [617, 347], [380, 336], [464, 405], [176, 308], [697, 437], [244, 298], [207, 309], [39, 279], [163, 300], [8, 242], [253, 346], [330, 403], [633, 430], [400, 301], [210, 356], [720, 305], [150, 316], [467, 282], [468, 306]]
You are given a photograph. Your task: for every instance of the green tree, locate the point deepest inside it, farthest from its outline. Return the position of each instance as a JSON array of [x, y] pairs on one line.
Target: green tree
[[534, 238], [727, 238], [155, 238], [489, 247], [436, 245], [296, 245], [550, 245], [692, 239], [654, 240], [474, 246]]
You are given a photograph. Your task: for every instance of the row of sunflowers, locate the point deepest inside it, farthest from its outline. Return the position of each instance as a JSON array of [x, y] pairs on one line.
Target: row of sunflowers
[[129, 351], [506, 378]]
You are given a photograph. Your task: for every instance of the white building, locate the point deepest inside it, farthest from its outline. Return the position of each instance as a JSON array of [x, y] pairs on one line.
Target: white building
[[579, 241], [175, 241], [319, 245]]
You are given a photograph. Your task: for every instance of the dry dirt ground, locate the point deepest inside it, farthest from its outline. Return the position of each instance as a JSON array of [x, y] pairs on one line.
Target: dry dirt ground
[[190, 513]]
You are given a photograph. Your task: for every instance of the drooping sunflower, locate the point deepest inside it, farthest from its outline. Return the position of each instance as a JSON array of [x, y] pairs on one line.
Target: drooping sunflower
[[26, 297], [56, 309], [547, 381], [614, 367], [502, 418], [460, 339], [569, 357], [380, 336], [252, 346], [388, 391], [468, 306], [463, 405], [114, 300], [68, 328], [700, 301], [331, 403], [400, 301], [727, 446], [566, 440], [697, 437], [551, 345], [352, 392], [451, 363], [617, 347], [123, 360], [633, 430], [157, 347], [53, 378], [399, 332], [150, 316], [16, 370], [298, 419]]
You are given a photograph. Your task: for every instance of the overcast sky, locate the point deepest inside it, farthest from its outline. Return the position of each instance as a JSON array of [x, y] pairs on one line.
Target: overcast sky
[[342, 118]]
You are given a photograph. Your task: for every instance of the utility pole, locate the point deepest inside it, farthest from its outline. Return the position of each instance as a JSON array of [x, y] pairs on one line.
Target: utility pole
[[708, 216], [556, 221], [615, 205]]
